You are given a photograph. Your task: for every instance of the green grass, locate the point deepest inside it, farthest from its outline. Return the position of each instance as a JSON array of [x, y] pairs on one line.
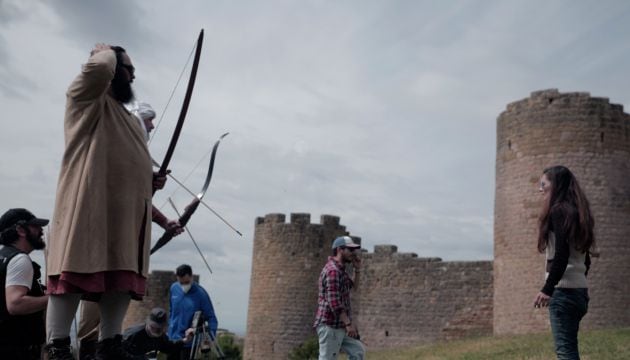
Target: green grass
[[611, 344]]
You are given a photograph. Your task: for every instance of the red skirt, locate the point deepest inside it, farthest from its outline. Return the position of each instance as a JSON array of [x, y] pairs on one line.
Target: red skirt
[[92, 286]]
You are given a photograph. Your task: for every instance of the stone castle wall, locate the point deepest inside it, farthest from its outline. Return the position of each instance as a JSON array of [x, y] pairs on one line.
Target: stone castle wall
[[286, 263], [404, 300], [157, 295], [400, 299], [591, 137]]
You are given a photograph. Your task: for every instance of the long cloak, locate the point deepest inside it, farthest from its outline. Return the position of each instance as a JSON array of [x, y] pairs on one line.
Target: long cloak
[[102, 216]]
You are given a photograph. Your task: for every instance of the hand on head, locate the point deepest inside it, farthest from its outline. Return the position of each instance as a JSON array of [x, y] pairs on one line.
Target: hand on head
[[100, 47]]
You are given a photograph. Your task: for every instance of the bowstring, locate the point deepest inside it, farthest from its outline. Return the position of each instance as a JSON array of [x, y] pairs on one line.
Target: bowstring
[[181, 74], [186, 177]]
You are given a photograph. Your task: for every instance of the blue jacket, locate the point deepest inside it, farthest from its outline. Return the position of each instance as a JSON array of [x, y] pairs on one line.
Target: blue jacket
[[183, 307]]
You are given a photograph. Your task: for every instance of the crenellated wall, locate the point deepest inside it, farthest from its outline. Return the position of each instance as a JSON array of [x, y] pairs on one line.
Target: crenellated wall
[[404, 300], [286, 262], [400, 299]]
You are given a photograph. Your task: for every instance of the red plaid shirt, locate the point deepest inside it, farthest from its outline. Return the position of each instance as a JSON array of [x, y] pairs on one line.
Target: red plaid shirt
[[334, 294]]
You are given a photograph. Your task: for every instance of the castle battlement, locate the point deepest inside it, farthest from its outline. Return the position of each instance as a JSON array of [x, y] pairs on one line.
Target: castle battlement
[[287, 260], [401, 299], [590, 136], [552, 98], [297, 219], [387, 252]]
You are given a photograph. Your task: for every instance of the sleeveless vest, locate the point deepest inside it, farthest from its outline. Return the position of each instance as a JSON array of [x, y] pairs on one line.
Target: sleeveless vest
[[17, 330]]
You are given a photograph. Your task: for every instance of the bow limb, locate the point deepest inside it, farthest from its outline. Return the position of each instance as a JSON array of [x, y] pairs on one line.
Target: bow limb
[[184, 110], [210, 167], [194, 204]]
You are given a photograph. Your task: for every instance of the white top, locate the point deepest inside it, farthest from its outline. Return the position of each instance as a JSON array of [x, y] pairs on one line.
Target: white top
[[574, 275], [20, 271]]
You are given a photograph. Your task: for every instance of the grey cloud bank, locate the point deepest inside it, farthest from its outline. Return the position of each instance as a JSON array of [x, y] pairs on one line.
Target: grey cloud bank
[[380, 113]]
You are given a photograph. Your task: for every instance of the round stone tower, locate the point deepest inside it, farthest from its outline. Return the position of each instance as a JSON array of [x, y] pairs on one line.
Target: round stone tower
[[590, 136], [286, 263]]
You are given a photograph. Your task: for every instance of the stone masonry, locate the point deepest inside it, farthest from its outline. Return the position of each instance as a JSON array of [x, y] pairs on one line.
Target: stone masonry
[[400, 299], [590, 136], [404, 300], [286, 263], [157, 295]]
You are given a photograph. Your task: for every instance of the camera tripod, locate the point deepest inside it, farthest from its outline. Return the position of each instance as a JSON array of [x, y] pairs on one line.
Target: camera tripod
[[203, 342]]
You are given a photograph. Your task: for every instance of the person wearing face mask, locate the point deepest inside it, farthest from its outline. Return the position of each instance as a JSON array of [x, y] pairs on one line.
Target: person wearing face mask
[[23, 301], [151, 336], [187, 297]]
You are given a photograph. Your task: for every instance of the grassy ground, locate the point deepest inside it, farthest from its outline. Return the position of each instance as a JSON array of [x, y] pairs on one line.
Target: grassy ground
[[594, 345]]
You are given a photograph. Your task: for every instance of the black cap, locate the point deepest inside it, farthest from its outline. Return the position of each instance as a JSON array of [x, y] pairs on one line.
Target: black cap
[[20, 216], [158, 316]]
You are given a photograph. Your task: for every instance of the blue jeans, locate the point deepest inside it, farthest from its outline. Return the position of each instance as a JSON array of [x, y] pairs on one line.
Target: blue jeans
[[332, 340], [566, 309]]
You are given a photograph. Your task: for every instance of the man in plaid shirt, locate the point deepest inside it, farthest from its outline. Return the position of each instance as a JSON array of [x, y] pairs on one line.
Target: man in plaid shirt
[[333, 320]]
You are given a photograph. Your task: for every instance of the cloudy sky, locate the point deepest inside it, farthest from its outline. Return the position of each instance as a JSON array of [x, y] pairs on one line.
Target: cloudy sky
[[380, 112]]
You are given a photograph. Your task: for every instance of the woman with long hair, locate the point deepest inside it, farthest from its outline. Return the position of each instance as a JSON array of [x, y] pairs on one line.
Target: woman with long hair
[[566, 237]]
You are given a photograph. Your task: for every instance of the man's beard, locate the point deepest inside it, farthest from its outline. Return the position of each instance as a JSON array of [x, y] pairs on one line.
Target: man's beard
[[121, 88], [36, 241]]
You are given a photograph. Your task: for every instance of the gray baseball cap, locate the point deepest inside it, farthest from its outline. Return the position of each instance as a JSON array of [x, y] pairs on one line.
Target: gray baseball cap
[[345, 241]]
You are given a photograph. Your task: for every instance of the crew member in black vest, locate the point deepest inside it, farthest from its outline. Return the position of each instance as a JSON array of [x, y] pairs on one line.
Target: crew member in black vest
[[23, 300]]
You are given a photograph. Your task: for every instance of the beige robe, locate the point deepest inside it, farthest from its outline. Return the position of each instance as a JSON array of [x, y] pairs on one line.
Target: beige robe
[[104, 190]]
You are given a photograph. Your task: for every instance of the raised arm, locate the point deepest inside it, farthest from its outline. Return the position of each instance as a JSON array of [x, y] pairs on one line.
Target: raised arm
[[96, 75]]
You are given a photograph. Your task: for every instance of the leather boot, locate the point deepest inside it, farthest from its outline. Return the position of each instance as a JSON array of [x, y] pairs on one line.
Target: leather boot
[[112, 349], [60, 349], [87, 349]]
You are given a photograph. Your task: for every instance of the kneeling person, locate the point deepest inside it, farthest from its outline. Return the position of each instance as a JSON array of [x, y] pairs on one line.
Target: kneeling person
[[151, 336]]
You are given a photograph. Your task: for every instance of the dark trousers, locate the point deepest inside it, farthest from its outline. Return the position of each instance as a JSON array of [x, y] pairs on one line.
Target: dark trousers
[[184, 354], [27, 352], [566, 309]]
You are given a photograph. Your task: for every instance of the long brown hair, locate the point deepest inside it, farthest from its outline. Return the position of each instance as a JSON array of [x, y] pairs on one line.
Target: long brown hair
[[567, 198]]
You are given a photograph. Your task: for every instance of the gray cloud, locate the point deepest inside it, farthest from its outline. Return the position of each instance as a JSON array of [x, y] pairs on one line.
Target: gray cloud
[[12, 82], [10, 11], [15, 85], [382, 114], [116, 22]]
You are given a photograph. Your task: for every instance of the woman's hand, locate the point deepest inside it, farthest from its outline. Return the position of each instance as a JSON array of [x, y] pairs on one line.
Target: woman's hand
[[541, 300]]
